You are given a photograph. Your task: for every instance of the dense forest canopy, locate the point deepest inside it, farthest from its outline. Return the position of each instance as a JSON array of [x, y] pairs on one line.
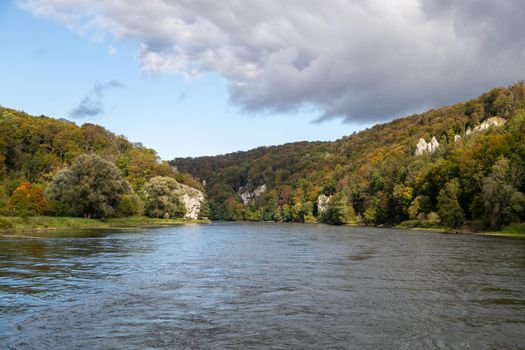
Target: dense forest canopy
[[35, 150], [475, 177]]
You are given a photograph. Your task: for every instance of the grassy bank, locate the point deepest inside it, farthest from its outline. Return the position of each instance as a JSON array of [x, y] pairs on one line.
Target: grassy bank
[[15, 223], [513, 230]]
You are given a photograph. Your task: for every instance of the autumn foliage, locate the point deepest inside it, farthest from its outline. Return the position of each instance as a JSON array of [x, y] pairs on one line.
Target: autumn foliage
[[28, 199]]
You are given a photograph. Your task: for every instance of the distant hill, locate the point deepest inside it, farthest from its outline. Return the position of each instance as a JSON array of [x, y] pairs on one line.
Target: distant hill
[[375, 176], [35, 149]]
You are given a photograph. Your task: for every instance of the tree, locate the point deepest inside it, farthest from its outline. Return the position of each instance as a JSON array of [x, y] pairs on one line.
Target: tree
[[449, 209], [402, 196], [503, 202], [130, 205], [91, 187], [28, 199], [162, 198], [337, 211]]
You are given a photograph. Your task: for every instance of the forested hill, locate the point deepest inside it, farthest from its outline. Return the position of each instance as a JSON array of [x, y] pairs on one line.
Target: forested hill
[[471, 173], [33, 150]]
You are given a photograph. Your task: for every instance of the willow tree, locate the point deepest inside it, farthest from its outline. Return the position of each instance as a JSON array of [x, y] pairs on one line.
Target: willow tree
[[91, 187]]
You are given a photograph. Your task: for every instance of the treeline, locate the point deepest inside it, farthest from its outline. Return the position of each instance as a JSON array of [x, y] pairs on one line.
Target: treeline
[[373, 177], [54, 167]]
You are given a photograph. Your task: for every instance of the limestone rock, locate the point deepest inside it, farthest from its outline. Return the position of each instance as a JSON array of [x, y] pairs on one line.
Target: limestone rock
[[247, 196], [457, 138], [433, 145], [421, 147], [494, 121], [424, 147], [322, 202], [192, 200]]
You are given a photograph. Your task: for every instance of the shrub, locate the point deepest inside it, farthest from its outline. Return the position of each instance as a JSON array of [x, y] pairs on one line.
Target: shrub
[[91, 187], [162, 198]]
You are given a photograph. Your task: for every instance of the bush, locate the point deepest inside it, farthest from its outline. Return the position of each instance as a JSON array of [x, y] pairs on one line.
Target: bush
[[5, 224], [91, 187], [130, 205], [162, 198]]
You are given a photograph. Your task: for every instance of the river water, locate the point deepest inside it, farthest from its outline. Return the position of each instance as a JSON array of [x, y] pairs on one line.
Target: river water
[[276, 286]]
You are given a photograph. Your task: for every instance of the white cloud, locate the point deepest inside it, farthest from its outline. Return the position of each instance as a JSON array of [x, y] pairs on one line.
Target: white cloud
[[356, 59]]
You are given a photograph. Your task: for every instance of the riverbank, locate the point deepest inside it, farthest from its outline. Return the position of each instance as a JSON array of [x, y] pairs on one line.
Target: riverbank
[[513, 230], [41, 223]]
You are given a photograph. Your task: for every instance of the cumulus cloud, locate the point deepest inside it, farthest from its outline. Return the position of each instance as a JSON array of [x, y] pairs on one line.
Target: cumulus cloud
[[92, 104], [361, 60]]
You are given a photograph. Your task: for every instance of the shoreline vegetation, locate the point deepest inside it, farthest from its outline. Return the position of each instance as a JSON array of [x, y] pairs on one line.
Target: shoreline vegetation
[[513, 230], [17, 224]]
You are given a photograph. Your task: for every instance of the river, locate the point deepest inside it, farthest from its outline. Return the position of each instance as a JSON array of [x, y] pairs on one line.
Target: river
[[277, 286]]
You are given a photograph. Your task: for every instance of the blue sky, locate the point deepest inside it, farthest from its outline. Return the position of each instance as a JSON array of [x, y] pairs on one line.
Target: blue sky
[[47, 69]]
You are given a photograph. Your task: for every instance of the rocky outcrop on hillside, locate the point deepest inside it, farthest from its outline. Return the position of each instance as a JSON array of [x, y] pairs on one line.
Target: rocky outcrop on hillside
[[494, 121], [430, 147], [192, 200], [247, 196], [424, 147], [322, 203]]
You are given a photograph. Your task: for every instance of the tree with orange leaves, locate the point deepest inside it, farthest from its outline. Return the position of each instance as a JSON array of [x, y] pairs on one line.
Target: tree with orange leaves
[[28, 199]]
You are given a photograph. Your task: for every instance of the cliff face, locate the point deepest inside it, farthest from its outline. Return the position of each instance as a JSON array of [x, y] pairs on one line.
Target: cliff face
[[423, 147], [322, 202], [193, 200], [247, 196]]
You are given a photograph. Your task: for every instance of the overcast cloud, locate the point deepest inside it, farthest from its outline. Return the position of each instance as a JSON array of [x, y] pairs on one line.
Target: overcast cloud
[[360, 60]]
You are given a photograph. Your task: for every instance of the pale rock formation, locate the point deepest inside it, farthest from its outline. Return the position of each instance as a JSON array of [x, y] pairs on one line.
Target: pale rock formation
[[433, 145], [247, 196], [192, 200], [421, 147], [494, 121], [424, 147], [322, 202]]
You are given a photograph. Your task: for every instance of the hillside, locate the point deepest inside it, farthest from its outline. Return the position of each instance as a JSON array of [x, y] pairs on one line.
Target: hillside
[[33, 150], [470, 174]]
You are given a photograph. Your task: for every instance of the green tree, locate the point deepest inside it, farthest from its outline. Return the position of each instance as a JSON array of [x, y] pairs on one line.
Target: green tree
[[163, 198], [449, 210], [503, 202], [130, 205], [337, 211], [91, 187]]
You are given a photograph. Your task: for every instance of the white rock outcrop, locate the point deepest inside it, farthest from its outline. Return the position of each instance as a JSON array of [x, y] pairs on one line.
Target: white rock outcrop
[[433, 146], [192, 200], [494, 121], [322, 203], [247, 196], [424, 147]]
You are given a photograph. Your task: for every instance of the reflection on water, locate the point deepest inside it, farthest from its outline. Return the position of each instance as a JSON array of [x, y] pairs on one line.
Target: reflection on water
[[261, 285]]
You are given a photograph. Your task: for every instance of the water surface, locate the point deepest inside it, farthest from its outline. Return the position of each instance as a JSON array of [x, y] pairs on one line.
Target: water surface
[[274, 286]]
